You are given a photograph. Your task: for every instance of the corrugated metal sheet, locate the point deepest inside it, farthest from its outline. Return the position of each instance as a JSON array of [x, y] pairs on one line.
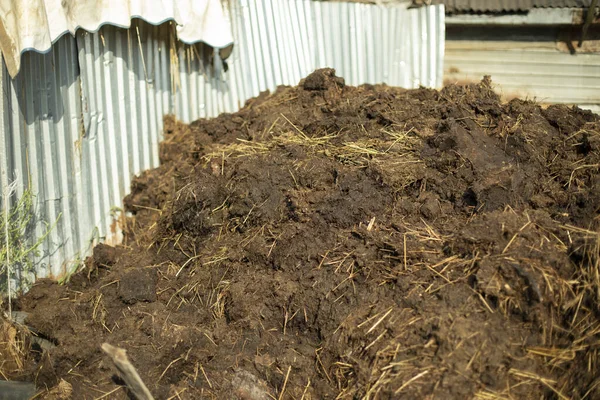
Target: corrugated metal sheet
[[42, 128], [81, 120], [546, 74], [278, 42], [497, 6], [534, 17]]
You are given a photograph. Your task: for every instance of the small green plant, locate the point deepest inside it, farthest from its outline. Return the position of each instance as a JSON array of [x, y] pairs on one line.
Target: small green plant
[[76, 265], [17, 251]]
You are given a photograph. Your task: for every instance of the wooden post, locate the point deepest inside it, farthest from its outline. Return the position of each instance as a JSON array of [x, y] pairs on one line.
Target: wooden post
[[128, 372]]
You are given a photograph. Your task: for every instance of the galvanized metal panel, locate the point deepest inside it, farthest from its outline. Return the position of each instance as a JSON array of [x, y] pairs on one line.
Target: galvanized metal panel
[[533, 17], [280, 41], [81, 120], [497, 6], [126, 94], [41, 113], [548, 75]]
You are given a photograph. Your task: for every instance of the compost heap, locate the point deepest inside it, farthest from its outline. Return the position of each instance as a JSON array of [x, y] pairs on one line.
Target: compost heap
[[329, 241]]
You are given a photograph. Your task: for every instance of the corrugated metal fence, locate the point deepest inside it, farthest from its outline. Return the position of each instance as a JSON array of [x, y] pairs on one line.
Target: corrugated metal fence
[[80, 121]]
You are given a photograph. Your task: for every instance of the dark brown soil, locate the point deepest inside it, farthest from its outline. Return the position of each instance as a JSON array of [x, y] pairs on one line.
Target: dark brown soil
[[355, 243]]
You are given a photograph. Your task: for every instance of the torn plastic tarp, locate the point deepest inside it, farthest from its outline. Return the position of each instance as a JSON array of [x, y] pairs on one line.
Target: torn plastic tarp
[[36, 24]]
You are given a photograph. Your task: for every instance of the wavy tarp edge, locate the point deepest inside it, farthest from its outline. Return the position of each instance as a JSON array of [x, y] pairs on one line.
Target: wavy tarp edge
[[37, 24]]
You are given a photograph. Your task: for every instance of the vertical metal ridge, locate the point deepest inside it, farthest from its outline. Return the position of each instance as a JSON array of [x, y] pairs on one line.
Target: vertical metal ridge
[[60, 134], [441, 46], [6, 161], [194, 78], [123, 109], [154, 124]]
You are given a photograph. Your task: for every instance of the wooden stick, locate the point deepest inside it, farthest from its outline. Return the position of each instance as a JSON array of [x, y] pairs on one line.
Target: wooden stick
[[128, 372]]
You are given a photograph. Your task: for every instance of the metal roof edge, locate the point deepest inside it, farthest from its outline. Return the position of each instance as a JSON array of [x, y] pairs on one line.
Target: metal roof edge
[[501, 7], [535, 16]]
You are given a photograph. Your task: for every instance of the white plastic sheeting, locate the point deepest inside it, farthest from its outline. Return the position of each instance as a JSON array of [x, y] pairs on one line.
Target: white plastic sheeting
[[36, 24], [82, 119]]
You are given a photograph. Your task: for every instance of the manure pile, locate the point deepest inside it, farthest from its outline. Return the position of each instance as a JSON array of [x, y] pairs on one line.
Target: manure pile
[[329, 241]]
